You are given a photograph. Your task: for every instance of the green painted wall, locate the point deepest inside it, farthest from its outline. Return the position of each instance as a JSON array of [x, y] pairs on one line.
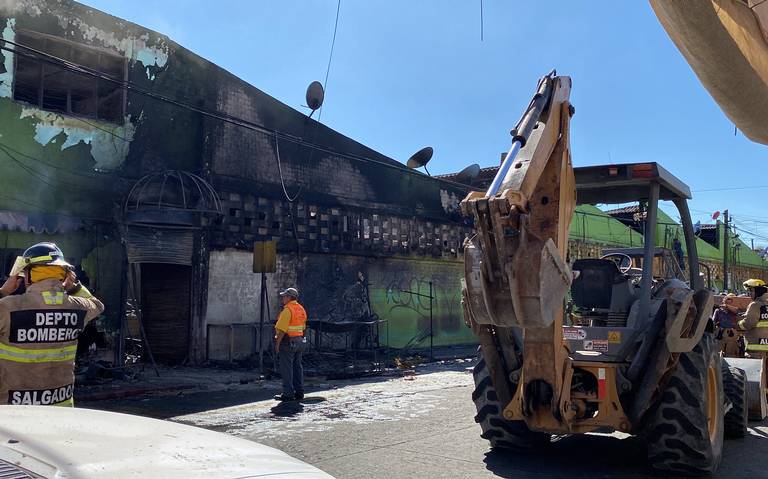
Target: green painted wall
[[590, 224], [408, 313]]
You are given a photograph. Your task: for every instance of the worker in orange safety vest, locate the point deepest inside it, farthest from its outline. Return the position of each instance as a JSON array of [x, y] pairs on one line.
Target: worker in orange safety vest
[[289, 345]]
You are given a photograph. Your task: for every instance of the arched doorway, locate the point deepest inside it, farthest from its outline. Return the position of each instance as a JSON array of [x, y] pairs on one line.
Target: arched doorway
[[163, 232]]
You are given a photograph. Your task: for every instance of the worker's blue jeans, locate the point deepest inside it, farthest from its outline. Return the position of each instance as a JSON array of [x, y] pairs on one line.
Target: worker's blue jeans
[[291, 369]]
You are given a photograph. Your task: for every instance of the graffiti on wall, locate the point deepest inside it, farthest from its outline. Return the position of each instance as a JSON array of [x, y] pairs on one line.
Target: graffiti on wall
[[402, 297], [336, 288]]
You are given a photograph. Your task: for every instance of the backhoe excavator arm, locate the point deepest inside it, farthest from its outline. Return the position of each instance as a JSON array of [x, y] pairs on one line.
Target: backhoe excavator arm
[[515, 272]]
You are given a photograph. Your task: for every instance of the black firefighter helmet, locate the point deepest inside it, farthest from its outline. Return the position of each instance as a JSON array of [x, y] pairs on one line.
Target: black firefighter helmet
[[44, 254]]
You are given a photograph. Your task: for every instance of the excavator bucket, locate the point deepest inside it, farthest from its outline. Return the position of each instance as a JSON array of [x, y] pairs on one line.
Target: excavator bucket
[[536, 302], [756, 384]]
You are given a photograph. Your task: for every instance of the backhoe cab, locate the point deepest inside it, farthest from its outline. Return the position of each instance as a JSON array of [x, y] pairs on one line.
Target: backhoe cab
[[632, 352]]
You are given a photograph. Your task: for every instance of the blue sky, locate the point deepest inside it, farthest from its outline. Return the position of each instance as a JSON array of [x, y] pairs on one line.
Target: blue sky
[[407, 74]]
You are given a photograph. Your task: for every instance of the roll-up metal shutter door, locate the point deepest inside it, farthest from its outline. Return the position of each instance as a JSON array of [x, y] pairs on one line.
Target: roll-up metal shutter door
[[166, 310], [159, 245]]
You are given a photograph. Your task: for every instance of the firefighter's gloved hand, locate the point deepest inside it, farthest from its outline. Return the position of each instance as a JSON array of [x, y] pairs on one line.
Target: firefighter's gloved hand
[[10, 286], [70, 281]]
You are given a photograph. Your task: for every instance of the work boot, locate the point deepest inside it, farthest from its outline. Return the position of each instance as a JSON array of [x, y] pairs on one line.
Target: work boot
[[285, 398], [299, 396]]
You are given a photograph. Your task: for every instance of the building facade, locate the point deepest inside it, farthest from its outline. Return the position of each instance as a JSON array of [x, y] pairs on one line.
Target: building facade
[[156, 171]]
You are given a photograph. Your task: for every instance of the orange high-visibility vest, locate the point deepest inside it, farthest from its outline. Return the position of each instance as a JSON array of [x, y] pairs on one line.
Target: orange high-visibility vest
[[298, 321]]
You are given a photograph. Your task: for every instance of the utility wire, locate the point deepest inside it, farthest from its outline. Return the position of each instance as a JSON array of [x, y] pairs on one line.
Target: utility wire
[[482, 27], [102, 129], [280, 171], [5, 148], [221, 116], [319, 115], [42, 177], [330, 57], [738, 188]]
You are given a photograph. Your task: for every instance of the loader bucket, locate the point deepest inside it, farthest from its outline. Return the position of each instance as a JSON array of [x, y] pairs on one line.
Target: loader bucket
[[756, 393]]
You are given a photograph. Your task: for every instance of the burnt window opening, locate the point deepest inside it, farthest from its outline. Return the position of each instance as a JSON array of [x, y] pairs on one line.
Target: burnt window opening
[[54, 88]]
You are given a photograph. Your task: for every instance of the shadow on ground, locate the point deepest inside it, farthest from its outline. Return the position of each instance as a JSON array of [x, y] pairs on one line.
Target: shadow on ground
[[171, 405], [595, 456], [573, 456], [167, 406]]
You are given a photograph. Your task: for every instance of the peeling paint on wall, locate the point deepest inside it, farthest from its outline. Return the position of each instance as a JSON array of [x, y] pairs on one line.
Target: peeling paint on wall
[[33, 8], [6, 78], [449, 201], [153, 57], [150, 57], [109, 143]]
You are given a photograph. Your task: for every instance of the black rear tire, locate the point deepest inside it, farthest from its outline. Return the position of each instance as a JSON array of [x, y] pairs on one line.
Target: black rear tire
[[685, 432], [735, 387], [498, 431]]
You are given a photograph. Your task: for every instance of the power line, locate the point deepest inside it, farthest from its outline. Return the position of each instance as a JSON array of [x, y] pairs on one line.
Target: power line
[[330, 57], [280, 170], [68, 170], [739, 228], [482, 21], [738, 188], [42, 177], [27, 203], [221, 116]]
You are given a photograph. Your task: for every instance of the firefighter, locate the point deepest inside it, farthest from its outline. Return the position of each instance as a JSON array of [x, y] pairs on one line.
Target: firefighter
[[39, 329], [289, 344], [755, 320], [725, 318]]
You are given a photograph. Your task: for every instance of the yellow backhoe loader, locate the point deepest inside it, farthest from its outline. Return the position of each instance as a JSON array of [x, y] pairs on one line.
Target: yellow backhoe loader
[[640, 359]]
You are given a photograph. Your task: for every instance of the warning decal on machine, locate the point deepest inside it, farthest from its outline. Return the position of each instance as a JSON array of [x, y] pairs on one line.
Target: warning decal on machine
[[572, 333], [596, 345], [614, 337], [46, 326], [41, 397]]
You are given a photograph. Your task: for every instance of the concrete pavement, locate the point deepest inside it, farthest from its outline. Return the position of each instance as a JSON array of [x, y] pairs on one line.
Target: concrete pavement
[[393, 427]]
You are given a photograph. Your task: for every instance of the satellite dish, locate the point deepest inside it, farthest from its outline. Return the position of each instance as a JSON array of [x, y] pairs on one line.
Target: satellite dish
[[421, 158], [315, 95], [468, 174]]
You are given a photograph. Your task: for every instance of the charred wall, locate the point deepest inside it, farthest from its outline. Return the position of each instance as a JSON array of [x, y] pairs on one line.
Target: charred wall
[[330, 202]]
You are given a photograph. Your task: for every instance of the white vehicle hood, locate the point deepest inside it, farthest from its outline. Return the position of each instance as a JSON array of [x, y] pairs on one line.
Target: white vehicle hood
[[71, 443]]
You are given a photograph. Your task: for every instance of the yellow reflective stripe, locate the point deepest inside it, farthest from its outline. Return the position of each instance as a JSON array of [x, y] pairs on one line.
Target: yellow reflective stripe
[[762, 324], [295, 328], [757, 347], [53, 298], [20, 355], [68, 403], [40, 258]]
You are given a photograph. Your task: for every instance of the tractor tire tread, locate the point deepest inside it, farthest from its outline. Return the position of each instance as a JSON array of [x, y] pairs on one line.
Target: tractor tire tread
[[735, 387], [678, 435], [499, 432]]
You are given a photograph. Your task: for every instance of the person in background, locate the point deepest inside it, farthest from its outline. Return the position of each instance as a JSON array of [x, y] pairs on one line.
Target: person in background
[[725, 318], [677, 248], [755, 321]]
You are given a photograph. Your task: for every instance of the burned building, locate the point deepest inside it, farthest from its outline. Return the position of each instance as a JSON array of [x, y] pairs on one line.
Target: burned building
[[156, 171]]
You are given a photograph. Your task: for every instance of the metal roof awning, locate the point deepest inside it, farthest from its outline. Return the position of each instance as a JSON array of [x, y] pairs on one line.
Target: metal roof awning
[[626, 183], [40, 223]]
